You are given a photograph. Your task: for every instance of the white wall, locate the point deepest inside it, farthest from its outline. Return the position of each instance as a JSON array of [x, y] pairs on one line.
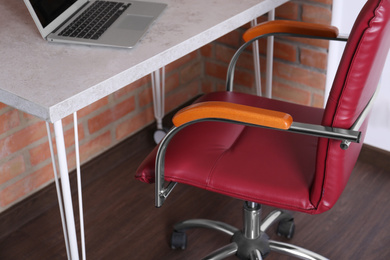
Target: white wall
[[378, 134]]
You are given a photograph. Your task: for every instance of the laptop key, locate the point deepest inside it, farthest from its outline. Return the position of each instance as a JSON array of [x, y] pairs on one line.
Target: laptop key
[[104, 14]]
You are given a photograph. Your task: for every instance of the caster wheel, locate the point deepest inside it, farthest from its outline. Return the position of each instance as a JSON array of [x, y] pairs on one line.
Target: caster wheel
[[178, 240], [286, 228]]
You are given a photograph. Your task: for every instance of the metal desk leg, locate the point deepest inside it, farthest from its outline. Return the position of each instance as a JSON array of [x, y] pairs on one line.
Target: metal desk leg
[[67, 197], [79, 187], [158, 86], [58, 188], [256, 60], [270, 59]]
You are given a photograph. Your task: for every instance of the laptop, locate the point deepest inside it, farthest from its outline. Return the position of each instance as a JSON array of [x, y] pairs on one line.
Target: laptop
[[114, 23]]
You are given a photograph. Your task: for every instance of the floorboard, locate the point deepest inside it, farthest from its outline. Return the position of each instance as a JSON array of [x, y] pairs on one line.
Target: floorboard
[[121, 221]]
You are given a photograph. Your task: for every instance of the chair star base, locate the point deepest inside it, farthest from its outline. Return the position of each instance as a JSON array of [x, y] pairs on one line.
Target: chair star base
[[252, 242]]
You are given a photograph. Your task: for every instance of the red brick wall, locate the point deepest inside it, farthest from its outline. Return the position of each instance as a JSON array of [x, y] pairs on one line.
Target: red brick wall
[[299, 76]]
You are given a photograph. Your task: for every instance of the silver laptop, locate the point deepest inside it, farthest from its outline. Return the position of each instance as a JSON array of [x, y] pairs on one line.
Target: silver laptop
[[115, 23]]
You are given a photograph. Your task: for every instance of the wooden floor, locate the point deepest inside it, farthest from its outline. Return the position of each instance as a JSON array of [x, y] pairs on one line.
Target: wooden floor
[[121, 221]]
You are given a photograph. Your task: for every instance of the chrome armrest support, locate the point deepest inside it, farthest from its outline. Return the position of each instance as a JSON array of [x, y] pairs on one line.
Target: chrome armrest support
[[325, 131], [162, 191], [342, 37], [233, 61]]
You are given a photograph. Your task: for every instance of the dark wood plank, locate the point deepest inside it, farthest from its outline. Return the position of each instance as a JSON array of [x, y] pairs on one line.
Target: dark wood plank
[[375, 156]]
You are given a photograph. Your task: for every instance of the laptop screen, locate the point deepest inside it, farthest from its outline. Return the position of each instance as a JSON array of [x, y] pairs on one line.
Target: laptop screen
[[48, 10]]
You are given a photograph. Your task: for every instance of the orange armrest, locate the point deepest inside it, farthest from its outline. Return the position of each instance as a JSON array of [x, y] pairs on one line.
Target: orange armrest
[[234, 112], [291, 27]]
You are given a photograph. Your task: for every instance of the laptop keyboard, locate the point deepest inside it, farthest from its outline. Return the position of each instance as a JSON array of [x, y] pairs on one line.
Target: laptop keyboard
[[95, 20]]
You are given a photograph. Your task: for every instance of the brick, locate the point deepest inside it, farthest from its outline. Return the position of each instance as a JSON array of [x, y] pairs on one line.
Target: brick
[[224, 53], [246, 61], [41, 152], [68, 120], [285, 51], [207, 86], [26, 185], [316, 14], [133, 86], [134, 124], [9, 120], [172, 82], [181, 96], [95, 146], [216, 70], [313, 58], [300, 75], [85, 111], [261, 19], [289, 10], [220, 86], [190, 72], [207, 50], [90, 149], [22, 138], [232, 39], [244, 78], [29, 117], [288, 93], [2, 105], [318, 100], [145, 97], [91, 108], [69, 135], [178, 63], [11, 169], [111, 115], [246, 26]]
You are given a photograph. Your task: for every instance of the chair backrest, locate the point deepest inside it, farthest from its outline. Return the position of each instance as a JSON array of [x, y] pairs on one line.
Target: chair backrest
[[355, 82]]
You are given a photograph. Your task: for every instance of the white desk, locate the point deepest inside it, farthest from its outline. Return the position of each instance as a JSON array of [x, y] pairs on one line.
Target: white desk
[[52, 81]]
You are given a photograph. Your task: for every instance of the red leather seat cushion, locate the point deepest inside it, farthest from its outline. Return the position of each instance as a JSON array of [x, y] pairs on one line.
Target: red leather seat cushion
[[270, 167]]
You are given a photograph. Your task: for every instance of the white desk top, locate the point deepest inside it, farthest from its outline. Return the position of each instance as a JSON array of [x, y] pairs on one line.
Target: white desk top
[[51, 80]]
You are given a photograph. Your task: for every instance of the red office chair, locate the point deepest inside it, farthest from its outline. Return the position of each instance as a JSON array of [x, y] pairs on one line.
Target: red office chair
[[299, 159]]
